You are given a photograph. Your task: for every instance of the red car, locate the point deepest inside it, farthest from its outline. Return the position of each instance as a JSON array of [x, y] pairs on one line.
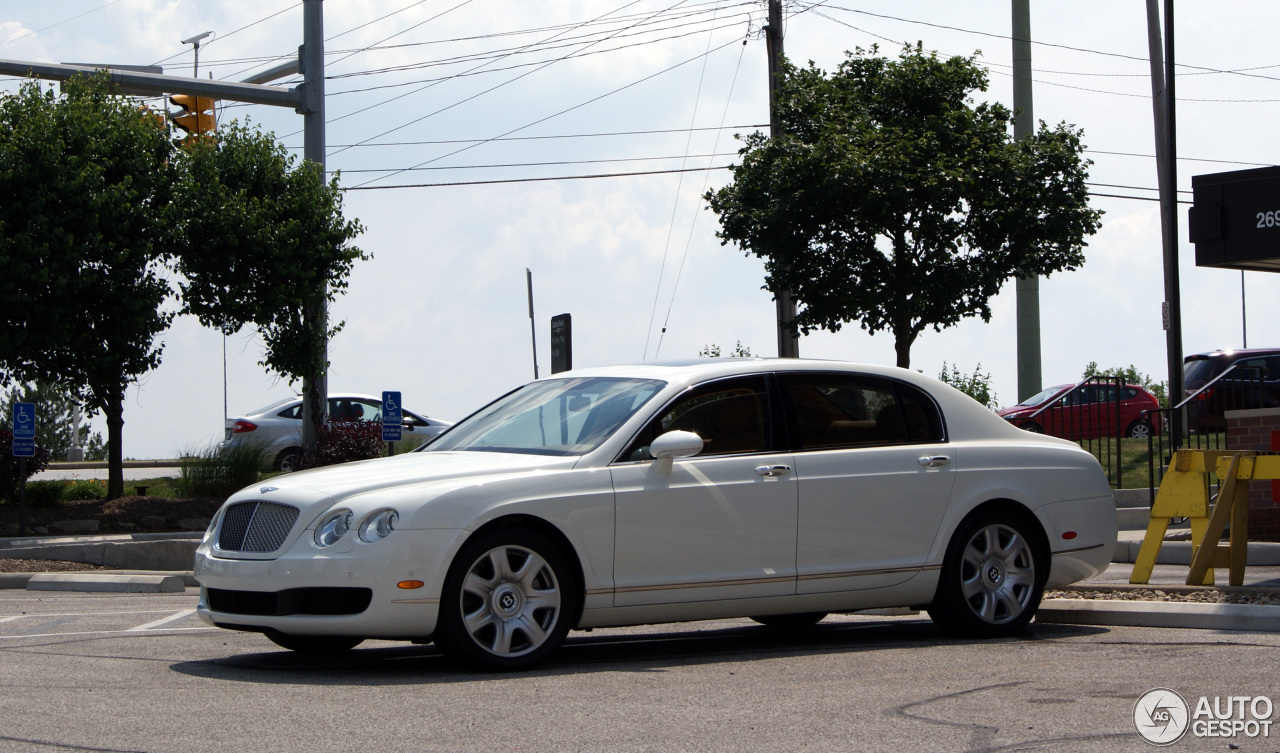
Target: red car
[[1087, 411]]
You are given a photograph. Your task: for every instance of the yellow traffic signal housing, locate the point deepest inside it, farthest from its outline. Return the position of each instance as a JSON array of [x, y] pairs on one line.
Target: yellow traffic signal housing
[[197, 116]]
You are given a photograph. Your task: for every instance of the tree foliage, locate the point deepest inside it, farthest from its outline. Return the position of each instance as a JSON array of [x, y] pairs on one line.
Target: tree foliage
[[976, 385], [713, 351], [99, 208], [84, 182], [289, 241], [893, 200]]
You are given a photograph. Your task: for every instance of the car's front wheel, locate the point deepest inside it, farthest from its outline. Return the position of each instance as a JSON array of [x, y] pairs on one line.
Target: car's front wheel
[[993, 576], [314, 644], [508, 601]]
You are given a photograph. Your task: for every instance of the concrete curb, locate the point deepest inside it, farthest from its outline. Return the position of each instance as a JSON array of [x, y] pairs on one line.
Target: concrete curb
[[1171, 614], [19, 580], [105, 583], [164, 554], [1261, 553]]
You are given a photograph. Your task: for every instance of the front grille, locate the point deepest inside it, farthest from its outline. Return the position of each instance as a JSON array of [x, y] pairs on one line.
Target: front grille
[[256, 526], [321, 601]]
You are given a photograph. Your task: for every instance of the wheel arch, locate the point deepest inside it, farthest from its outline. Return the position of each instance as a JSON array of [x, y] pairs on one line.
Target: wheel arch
[[552, 533], [1008, 507]]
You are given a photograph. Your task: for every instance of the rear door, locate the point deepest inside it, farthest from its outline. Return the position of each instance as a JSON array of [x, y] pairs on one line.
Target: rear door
[[875, 474]]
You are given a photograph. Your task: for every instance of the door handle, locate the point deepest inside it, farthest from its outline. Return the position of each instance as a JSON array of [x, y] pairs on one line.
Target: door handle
[[770, 471], [935, 461]]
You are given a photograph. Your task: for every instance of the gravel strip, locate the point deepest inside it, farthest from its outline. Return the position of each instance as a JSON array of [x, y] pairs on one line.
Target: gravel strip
[[1202, 595], [46, 566]]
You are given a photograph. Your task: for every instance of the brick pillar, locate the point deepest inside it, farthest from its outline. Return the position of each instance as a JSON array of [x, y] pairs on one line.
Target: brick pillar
[[1258, 430]]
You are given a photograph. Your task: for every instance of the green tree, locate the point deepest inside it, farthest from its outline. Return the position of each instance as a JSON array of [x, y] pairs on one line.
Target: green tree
[[55, 410], [893, 200], [1130, 375], [976, 385], [261, 234], [85, 180], [713, 351]]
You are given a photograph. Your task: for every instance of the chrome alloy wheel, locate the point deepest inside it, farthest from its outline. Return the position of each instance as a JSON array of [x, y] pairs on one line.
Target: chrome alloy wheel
[[510, 601], [997, 574]]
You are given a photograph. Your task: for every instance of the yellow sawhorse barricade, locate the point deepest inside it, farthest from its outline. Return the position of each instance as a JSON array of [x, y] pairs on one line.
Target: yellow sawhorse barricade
[[1184, 493]]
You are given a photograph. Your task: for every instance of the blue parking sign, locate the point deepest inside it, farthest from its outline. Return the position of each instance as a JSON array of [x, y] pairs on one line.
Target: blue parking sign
[[24, 430], [392, 416]]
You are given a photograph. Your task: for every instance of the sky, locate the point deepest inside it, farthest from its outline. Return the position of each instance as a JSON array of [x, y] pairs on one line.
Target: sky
[[467, 92]]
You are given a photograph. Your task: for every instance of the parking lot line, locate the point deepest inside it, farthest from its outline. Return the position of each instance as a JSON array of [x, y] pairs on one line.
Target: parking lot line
[[182, 615], [104, 632]]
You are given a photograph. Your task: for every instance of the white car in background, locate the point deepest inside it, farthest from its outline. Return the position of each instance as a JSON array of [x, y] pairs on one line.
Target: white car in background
[[775, 489], [278, 426]]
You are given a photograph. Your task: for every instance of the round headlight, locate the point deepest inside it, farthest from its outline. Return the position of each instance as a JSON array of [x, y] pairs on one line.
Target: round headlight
[[378, 526], [333, 527]]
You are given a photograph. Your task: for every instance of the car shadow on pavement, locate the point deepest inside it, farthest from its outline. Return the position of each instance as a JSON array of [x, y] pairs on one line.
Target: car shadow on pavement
[[600, 651]]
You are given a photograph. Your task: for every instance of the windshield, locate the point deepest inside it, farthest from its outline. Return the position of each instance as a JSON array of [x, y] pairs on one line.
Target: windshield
[[273, 406], [1044, 395], [554, 417]]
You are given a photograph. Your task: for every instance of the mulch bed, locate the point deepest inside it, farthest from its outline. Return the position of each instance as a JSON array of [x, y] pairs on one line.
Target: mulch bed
[[47, 566], [122, 515]]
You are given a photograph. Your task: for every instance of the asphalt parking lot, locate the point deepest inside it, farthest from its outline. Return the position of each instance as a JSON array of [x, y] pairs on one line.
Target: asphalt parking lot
[[99, 672]]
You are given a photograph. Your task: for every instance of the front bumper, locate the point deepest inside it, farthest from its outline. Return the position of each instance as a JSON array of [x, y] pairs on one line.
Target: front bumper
[[306, 569]]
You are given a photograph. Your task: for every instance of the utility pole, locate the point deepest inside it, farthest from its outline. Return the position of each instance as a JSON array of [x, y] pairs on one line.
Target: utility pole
[[1024, 127], [788, 341], [1162, 104], [311, 62]]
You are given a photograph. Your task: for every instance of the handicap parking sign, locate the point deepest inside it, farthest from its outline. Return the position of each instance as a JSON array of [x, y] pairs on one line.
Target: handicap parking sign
[[24, 430], [392, 416]]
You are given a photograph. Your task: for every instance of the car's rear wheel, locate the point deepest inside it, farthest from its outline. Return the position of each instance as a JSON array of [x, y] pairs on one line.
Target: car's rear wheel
[[791, 621], [288, 459], [314, 644], [1139, 429], [507, 602], [993, 576]]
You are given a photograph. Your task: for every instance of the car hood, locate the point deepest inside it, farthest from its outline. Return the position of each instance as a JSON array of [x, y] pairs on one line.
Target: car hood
[[320, 488]]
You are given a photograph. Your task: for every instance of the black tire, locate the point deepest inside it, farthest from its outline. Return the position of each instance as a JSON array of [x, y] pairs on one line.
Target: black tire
[[1032, 427], [993, 576], [1139, 429], [508, 601], [287, 460], [314, 644], [797, 621]]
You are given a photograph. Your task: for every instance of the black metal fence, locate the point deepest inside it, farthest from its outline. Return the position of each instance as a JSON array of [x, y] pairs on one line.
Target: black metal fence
[[1091, 413], [1199, 422]]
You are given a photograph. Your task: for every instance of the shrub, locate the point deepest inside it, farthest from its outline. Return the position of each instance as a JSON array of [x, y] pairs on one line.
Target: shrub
[[976, 385], [88, 488], [220, 472], [343, 442], [44, 493], [9, 465]]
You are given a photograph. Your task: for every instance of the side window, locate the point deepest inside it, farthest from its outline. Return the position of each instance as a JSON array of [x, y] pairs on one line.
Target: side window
[[294, 412], [347, 409], [843, 410], [731, 416], [849, 410]]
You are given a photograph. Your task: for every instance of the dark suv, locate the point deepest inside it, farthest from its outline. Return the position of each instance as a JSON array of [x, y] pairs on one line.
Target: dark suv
[[1253, 383]]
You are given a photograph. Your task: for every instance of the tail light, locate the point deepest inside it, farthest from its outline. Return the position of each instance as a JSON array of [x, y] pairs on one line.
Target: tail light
[[243, 426], [1205, 395]]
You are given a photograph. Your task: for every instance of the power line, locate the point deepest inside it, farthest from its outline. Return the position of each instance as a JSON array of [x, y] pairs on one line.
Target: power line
[[1184, 159], [63, 21], [415, 91], [538, 164], [231, 33], [554, 136], [553, 115], [531, 180]]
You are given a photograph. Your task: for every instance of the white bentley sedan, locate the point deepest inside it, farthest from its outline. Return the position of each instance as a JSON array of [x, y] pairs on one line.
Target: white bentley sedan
[[780, 490]]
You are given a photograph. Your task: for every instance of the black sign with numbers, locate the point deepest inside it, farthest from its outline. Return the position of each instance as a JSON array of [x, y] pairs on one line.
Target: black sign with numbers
[[1235, 220]]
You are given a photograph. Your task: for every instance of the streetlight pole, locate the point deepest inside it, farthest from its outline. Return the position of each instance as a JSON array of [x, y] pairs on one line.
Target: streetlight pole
[[311, 60], [196, 40]]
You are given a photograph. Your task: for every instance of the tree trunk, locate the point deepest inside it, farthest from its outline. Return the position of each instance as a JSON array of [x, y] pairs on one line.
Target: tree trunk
[[902, 345], [113, 407]]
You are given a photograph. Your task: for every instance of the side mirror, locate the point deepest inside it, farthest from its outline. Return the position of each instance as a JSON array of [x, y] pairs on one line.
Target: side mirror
[[672, 445]]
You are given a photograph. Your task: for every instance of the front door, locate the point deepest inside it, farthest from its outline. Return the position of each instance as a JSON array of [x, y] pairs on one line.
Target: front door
[[720, 525]]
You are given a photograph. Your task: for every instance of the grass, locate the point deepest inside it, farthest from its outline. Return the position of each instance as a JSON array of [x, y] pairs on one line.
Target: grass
[[219, 472]]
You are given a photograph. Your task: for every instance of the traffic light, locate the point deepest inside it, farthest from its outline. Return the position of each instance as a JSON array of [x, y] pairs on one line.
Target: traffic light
[[197, 117]]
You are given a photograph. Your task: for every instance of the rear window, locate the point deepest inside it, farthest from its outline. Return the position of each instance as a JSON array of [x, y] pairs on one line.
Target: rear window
[[1199, 370]]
